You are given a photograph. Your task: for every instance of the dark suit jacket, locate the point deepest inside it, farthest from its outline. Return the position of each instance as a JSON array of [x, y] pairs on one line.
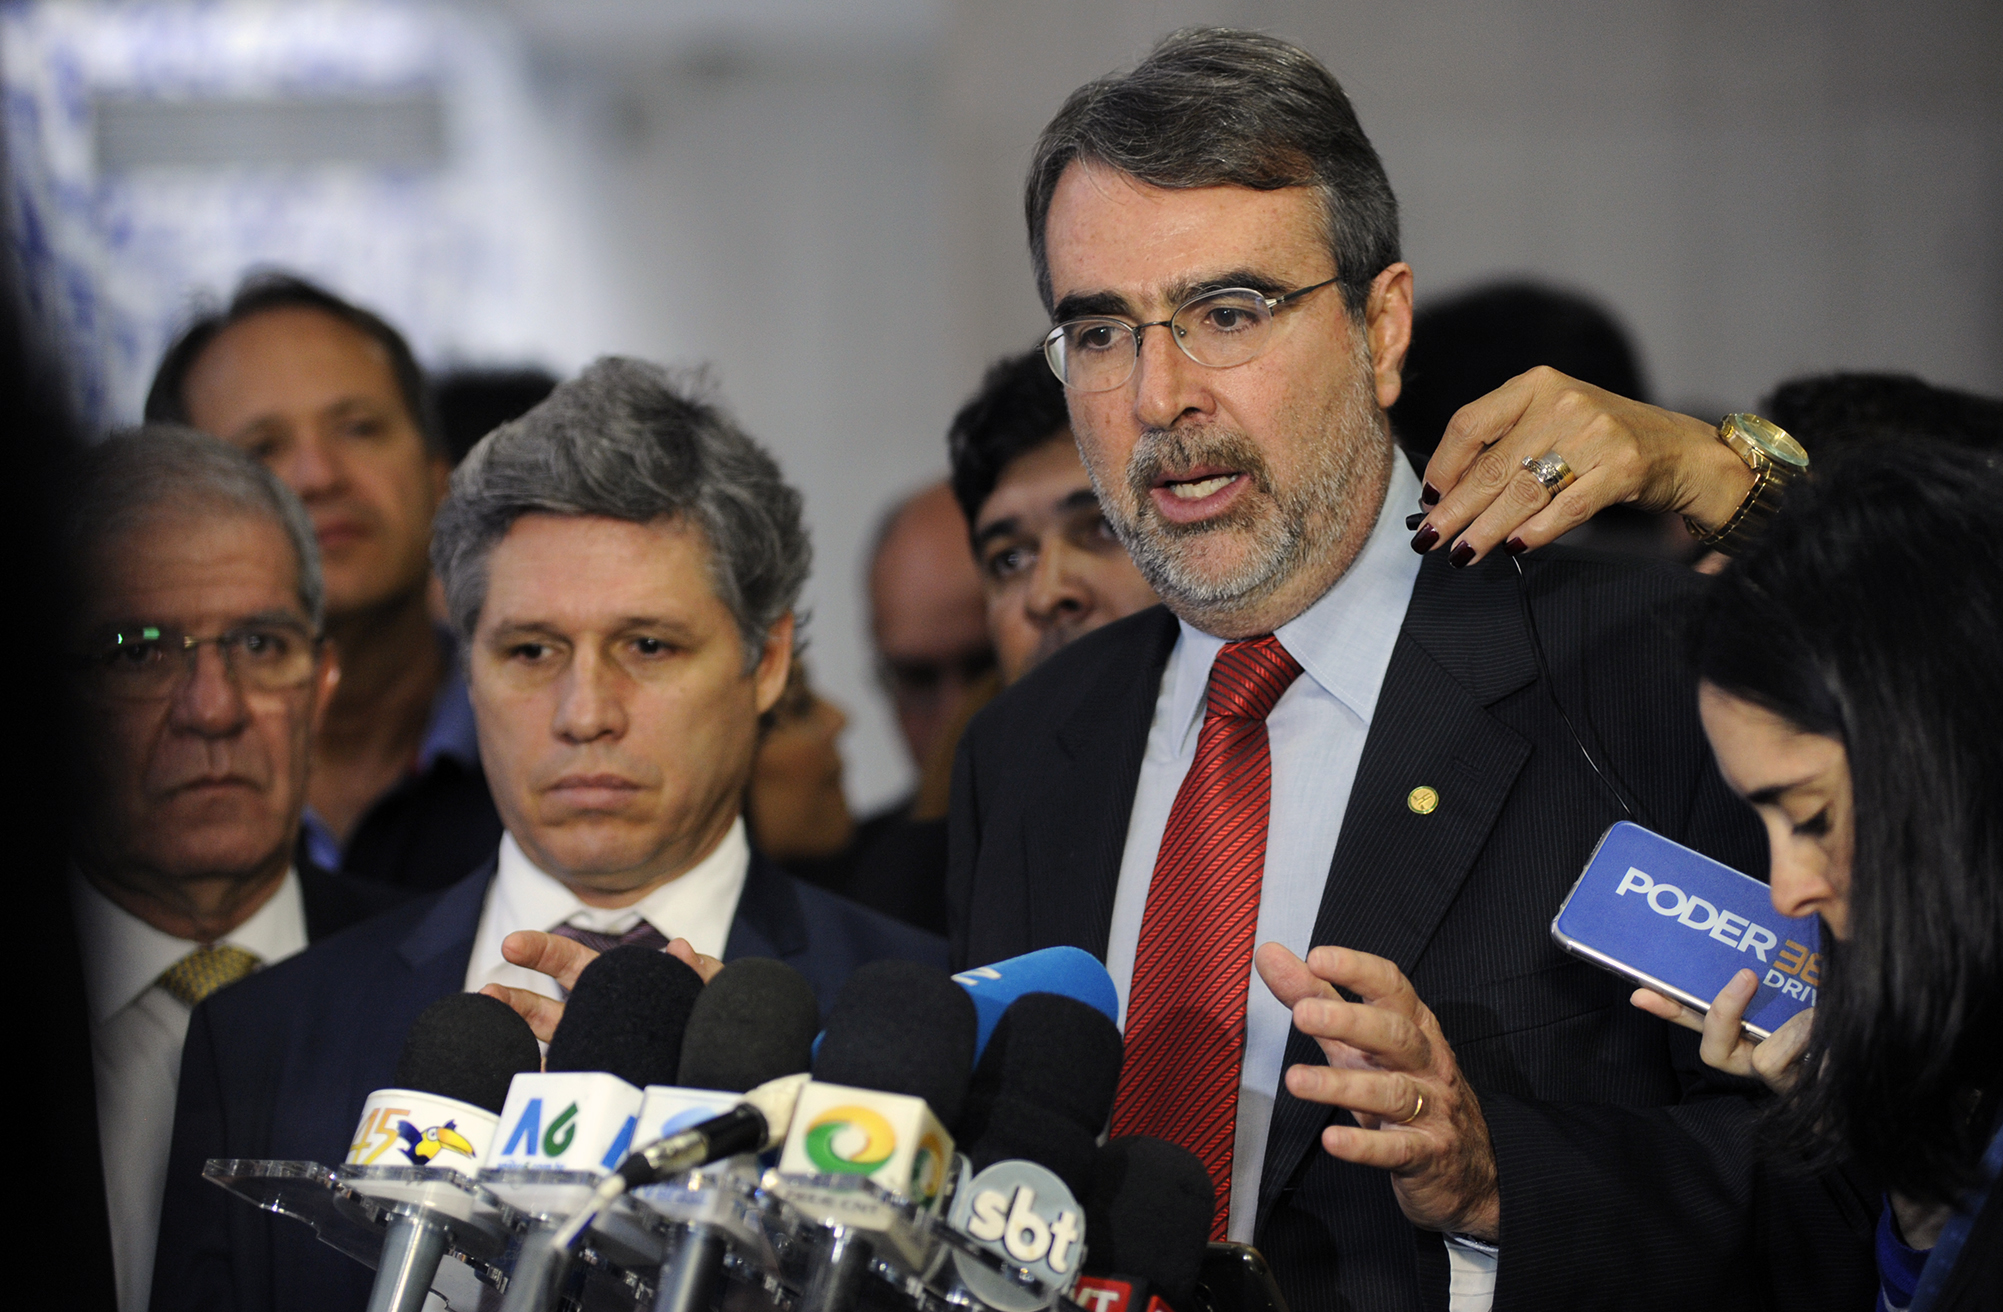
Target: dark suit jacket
[[1628, 1172], [278, 1066]]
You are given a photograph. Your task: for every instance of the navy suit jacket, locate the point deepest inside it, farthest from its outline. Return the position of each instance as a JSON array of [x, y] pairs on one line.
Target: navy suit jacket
[[277, 1067]]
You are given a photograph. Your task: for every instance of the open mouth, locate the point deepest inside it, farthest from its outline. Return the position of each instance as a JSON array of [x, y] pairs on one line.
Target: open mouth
[[1190, 495]]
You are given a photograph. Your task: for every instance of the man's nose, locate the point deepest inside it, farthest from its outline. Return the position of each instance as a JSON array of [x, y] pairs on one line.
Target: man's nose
[[1056, 589], [310, 467], [209, 701], [590, 707], [1167, 384]]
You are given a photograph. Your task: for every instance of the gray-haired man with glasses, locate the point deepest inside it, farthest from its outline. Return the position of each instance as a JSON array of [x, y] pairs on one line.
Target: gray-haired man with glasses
[[198, 673]]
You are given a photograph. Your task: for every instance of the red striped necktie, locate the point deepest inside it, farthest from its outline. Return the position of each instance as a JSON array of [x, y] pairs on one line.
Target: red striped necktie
[[1186, 1006]]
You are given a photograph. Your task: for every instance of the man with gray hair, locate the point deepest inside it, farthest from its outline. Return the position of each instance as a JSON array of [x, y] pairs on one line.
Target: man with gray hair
[[1318, 813], [621, 565], [199, 676]]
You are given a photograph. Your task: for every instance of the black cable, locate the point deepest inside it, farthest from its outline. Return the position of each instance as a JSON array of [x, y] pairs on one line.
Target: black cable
[[1610, 780]]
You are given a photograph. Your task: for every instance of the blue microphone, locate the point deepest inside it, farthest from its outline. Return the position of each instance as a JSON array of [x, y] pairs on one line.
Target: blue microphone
[[1071, 972]]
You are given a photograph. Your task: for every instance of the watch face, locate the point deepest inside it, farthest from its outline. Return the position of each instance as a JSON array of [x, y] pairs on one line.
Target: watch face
[[1772, 441]]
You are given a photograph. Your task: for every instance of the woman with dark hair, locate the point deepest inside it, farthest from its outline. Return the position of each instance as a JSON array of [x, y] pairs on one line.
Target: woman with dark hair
[[1851, 671]]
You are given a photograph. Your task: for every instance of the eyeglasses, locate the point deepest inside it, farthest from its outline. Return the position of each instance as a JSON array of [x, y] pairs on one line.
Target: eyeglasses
[[1217, 330], [146, 662]]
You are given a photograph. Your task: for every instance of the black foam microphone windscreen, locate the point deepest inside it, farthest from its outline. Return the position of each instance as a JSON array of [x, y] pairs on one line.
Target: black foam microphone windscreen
[[467, 1046], [627, 1016], [1055, 1051], [902, 1027], [754, 1022], [1148, 1215]]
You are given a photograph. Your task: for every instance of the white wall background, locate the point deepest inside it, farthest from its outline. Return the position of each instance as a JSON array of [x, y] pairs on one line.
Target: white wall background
[[822, 198]]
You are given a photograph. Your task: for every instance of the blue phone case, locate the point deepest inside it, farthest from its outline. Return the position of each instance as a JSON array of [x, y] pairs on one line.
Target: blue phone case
[[1660, 914]]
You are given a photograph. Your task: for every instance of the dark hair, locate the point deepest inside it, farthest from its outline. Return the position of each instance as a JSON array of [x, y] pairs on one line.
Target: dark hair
[[1466, 346], [630, 440], [272, 289], [1825, 411], [1873, 614], [1210, 107], [1019, 408]]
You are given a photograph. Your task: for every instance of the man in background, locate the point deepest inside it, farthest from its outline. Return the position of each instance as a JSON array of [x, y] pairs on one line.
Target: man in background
[[621, 566], [200, 675], [328, 397], [1051, 567]]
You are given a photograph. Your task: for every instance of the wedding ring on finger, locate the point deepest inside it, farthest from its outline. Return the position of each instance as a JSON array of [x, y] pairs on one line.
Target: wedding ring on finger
[[1551, 470], [1417, 1108]]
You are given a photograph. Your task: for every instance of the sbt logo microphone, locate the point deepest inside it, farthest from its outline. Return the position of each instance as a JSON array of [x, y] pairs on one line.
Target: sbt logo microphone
[[1687, 909], [1023, 1214]]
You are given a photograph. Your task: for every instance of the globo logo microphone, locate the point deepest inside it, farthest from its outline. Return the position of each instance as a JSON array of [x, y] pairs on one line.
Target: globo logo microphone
[[1023, 1214]]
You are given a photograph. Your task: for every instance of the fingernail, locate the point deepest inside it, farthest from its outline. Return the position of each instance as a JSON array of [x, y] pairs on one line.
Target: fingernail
[[1463, 552], [1429, 495], [1413, 521], [1425, 539], [1515, 546]]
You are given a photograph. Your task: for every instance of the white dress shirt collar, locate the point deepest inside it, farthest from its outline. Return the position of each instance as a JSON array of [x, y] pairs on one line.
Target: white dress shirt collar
[[1341, 641], [123, 956], [698, 905]]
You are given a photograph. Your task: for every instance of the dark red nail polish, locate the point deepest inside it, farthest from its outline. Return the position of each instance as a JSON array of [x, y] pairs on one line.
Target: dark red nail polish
[[1515, 546], [1429, 495], [1463, 552], [1413, 521], [1424, 540]]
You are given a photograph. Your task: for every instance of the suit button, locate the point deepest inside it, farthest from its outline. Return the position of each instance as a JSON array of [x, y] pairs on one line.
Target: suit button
[[1423, 800]]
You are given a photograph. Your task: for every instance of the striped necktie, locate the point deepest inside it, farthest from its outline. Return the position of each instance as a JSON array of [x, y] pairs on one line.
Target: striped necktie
[[205, 970], [643, 934], [1186, 1006]]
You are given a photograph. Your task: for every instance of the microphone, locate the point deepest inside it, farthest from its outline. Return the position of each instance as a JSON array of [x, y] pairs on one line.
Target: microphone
[[451, 1081], [752, 1031], [622, 1030], [891, 1071], [1073, 972], [1026, 1216], [1043, 1089], [1149, 1217]]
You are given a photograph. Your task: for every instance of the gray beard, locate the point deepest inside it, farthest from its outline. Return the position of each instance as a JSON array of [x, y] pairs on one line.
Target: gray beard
[[1284, 530]]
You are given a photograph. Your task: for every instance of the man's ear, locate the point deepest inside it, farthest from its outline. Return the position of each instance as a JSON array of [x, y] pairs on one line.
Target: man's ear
[[774, 664], [1387, 320]]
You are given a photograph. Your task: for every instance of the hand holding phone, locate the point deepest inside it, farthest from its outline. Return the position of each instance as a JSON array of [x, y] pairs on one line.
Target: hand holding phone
[[1774, 1061]]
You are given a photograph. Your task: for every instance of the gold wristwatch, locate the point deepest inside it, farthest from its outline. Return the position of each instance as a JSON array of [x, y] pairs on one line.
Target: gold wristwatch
[[1776, 461]]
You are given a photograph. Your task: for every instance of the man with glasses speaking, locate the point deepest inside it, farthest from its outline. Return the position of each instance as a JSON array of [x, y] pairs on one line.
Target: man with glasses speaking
[[198, 676], [1318, 812]]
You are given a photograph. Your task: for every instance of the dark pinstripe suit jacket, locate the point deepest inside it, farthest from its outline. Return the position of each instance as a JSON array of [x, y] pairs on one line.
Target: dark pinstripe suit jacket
[[1630, 1176]]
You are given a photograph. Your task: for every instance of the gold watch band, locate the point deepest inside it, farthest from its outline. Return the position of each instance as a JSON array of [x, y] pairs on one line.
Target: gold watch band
[[1762, 501]]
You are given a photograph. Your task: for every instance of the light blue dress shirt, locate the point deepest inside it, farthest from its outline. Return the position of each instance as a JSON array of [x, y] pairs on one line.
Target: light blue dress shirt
[[1316, 732]]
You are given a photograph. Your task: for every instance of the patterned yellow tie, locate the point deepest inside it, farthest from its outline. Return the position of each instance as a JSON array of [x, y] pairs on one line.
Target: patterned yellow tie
[[205, 970]]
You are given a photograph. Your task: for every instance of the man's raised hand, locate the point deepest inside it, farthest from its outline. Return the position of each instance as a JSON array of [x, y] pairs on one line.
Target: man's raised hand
[[1390, 1066]]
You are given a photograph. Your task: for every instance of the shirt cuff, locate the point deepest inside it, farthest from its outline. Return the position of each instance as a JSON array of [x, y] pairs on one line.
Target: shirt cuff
[[1471, 1273]]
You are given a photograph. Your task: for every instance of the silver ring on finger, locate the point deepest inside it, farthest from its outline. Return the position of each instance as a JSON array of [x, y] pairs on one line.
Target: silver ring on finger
[[1550, 470], [1416, 1109]]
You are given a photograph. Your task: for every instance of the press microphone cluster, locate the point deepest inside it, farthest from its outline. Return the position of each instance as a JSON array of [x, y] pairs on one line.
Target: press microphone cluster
[[937, 1131]]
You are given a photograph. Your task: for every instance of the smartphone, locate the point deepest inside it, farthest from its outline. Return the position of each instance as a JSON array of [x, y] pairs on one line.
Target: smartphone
[[1657, 913]]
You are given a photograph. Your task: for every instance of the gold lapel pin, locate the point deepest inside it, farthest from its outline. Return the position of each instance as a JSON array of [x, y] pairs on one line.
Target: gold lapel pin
[[1423, 800]]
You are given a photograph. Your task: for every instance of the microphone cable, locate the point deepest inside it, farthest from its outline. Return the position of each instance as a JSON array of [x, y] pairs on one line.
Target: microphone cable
[[1609, 779]]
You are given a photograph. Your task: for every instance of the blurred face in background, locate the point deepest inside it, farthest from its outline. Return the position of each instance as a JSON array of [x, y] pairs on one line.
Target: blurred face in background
[[928, 618], [1799, 783], [198, 771], [317, 401], [617, 719], [1051, 565], [796, 805]]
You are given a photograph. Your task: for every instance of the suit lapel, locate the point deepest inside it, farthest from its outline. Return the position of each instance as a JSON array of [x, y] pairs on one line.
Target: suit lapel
[[449, 926], [1072, 855], [1396, 870]]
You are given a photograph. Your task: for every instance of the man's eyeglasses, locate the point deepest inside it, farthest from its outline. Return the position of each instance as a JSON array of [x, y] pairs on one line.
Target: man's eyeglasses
[[1217, 329], [148, 662]]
